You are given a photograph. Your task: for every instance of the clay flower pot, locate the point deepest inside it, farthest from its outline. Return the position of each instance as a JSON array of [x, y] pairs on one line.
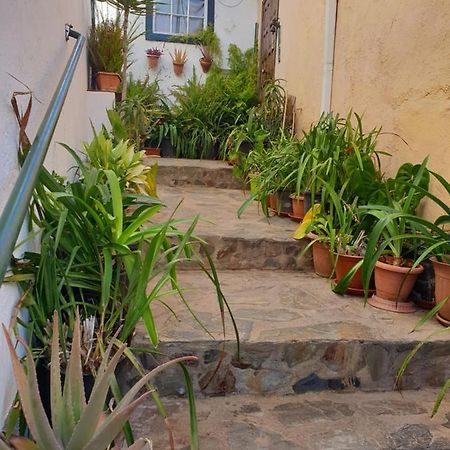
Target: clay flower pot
[[178, 69], [152, 151], [323, 263], [393, 285], [442, 289], [153, 61], [272, 202], [206, 64], [107, 81], [298, 209], [344, 263]]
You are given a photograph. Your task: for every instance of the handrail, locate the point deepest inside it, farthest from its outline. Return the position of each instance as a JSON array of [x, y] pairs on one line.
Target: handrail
[[16, 207]]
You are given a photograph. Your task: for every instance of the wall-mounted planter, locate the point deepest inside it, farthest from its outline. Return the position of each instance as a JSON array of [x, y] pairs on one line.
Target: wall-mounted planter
[[107, 81], [206, 64], [178, 69], [153, 61]]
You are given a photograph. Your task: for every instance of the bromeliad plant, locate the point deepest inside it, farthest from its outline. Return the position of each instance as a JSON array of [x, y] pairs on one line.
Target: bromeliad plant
[[75, 423]]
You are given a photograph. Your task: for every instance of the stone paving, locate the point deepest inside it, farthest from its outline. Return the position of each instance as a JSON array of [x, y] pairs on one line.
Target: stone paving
[[314, 421], [328, 362], [182, 172], [251, 242], [296, 335]]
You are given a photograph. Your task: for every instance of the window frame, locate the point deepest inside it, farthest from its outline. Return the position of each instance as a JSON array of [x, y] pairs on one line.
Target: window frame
[[151, 36]]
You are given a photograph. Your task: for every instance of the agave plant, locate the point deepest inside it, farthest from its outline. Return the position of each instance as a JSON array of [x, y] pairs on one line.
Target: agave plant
[[75, 423]]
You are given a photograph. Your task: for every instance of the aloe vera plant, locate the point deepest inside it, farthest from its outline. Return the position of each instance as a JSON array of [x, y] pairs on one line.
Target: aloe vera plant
[[75, 423]]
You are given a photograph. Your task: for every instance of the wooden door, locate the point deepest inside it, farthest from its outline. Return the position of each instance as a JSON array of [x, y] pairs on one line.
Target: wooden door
[[268, 42]]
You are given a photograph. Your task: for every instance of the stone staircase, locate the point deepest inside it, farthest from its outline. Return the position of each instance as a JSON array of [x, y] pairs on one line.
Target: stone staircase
[[314, 370]]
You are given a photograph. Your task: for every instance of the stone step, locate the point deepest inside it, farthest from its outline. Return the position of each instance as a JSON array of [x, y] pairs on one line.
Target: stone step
[[251, 242], [314, 421], [296, 336], [185, 172]]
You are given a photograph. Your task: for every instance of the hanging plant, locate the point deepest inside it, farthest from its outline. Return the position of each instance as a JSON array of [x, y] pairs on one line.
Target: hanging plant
[[153, 55]]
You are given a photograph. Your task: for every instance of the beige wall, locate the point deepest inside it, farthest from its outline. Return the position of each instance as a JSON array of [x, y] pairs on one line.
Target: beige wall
[[300, 63], [392, 63]]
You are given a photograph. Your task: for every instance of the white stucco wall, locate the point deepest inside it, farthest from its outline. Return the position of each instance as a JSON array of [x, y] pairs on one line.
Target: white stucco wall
[[33, 49], [234, 23]]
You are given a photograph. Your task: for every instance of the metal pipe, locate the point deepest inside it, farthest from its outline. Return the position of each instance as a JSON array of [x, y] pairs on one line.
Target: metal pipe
[[328, 54], [16, 207]]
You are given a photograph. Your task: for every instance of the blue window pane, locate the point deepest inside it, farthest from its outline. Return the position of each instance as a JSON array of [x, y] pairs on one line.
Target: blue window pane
[[197, 8], [179, 25], [195, 24], [162, 23]]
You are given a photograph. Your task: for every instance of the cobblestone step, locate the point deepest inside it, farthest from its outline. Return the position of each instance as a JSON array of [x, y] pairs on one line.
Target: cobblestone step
[[296, 336], [251, 242], [314, 421], [185, 172]]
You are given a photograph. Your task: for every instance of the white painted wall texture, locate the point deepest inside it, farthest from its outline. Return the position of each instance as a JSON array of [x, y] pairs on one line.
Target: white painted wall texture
[[33, 49], [234, 23]]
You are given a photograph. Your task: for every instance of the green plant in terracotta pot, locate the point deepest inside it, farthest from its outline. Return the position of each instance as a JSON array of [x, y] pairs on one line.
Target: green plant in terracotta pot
[[393, 243], [105, 53]]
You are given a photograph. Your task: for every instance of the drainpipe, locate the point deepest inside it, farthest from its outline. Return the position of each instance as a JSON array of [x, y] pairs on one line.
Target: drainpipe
[[328, 54]]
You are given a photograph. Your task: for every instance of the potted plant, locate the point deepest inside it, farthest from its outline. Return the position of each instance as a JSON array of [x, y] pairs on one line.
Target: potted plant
[[153, 55], [179, 58], [399, 241], [127, 9], [89, 425], [105, 53], [153, 141], [441, 265], [209, 45], [319, 229]]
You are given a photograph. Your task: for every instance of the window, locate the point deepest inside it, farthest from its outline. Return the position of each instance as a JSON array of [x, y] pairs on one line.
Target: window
[[172, 17]]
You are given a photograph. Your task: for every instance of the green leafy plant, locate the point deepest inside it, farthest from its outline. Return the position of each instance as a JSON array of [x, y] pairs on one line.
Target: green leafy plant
[[105, 45], [398, 232], [127, 9], [75, 423], [140, 109], [133, 175]]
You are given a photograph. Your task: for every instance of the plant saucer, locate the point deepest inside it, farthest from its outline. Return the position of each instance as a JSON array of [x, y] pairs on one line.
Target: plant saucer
[[388, 305]]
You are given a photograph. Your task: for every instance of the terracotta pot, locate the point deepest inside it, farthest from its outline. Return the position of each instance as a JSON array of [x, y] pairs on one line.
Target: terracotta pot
[[442, 289], [393, 285], [272, 202], [152, 151], [153, 61], [323, 263], [206, 64], [107, 81], [345, 263], [298, 211], [178, 69]]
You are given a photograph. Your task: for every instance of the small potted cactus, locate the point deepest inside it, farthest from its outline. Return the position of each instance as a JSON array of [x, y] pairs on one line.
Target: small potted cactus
[[153, 55]]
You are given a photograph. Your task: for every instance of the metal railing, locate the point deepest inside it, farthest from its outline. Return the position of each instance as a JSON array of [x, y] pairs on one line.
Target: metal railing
[[16, 207]]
